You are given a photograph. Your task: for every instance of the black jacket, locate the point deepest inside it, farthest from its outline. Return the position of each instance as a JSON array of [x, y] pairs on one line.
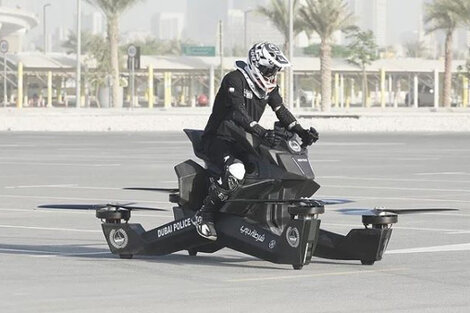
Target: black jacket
[[235, 101]]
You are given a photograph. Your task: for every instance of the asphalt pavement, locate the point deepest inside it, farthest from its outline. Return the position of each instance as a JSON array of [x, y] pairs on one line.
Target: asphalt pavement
[[58, 261]]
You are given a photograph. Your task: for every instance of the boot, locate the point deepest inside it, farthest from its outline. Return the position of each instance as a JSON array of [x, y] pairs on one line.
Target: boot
[[204, 218]]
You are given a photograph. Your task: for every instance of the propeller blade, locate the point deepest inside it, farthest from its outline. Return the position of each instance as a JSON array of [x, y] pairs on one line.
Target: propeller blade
[[367, 212], [294, 201], [414, 211], [169, 190], [127, 206], [73, 206], [139, 208], [385, 211]]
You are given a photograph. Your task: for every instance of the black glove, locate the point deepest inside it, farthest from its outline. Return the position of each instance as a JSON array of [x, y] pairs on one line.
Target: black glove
[[270, 138], [308, 136]]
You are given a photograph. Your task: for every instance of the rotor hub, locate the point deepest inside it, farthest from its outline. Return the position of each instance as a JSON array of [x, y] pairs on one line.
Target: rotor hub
[[382, 219]]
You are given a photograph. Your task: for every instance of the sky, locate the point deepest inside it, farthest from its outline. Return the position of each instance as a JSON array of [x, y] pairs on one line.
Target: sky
[[402, 15]]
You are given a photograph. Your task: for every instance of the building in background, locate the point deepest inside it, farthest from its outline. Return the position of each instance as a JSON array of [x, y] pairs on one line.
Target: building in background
[[167, 25], [94, 23], [136, 36], [372, 15], [235, 31], [58, 38], [260, 28], [14, 24], [202, 28]]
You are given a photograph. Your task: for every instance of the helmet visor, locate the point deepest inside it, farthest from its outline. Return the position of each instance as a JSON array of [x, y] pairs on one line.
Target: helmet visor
[[268, 71]]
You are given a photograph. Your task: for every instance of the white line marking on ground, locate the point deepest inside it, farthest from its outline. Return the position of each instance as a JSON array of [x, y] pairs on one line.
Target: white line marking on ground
[[442, 173], [75, 186], [349, 143], [249, 279], [449, 214], [53, 253], [40, 186], [76, 212], [445, 248], [387, 179], [440, 230], [396, 188], [393, 198], [82, 199], [412, 159], [60, 164], [51, 228]]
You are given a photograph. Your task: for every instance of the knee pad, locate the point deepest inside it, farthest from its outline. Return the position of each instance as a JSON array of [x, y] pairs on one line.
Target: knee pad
[[234, 173]]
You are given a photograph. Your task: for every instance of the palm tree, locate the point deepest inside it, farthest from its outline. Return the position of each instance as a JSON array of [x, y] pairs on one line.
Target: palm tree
[[113, 9], [462, 8], [363, 51], [278, 13], [325, 17], [445, 15]]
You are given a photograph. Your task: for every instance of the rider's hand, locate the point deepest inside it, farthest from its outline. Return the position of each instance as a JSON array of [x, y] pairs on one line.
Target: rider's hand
[[270, 138], [308, 136]]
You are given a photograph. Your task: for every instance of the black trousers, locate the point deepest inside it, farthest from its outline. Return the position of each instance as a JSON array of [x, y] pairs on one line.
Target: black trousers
[[217, 149]]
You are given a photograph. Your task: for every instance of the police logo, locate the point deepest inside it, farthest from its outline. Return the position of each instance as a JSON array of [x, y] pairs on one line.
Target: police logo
[[272, 244], [248, 94], [118, 238], [294, 145], [293, 237]]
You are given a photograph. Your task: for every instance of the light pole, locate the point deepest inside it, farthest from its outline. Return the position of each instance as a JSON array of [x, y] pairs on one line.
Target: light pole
[[245, 22], [79, 51], [291, 53], [44, 7]]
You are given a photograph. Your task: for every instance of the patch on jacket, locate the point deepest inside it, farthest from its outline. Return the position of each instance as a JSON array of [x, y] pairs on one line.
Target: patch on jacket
[[248, 94], [231, 90]]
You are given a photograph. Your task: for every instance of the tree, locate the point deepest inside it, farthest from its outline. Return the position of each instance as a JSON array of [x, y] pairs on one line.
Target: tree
[[87, 39], [278, 13], [363, 51], [337, 51], [113, 9], [325, 17], [157, 47], [446, 16], [95, 51], [415, 49]]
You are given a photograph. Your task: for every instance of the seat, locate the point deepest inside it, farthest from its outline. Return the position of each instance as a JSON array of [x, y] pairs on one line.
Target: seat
[[195, 136]]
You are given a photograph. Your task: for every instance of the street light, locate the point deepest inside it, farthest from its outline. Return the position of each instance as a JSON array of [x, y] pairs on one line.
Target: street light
[[79, 52], [291, 53], [44, 25]]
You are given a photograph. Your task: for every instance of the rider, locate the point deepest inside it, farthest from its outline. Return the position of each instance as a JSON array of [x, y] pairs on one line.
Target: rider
[[241, 99]]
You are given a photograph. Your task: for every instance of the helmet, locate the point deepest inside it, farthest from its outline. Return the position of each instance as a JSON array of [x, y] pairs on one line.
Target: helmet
[[264, 61]]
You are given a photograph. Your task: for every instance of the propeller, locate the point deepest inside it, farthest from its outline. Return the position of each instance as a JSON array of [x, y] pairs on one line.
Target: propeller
[[169, 190], [127, 206], [301, 201], [380, 211]]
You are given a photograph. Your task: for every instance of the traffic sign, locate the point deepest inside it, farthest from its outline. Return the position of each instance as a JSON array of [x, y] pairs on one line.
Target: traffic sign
[[133, 56], [132, 51], [201, 51], [4, 46]]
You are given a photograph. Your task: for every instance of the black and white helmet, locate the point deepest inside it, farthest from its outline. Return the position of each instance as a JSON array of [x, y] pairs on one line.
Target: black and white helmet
[[265, 60]]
